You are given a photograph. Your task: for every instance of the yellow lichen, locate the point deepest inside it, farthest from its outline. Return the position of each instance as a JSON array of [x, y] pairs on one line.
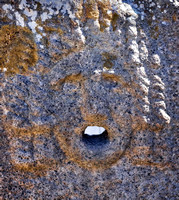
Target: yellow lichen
[[96, 10], [79, 7], [91, 9], [105, 14], [18, 50], [38, 168], [115, 18], [49, 29]]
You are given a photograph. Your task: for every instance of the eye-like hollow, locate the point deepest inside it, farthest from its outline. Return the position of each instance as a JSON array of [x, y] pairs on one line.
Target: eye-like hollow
[[94, 136], [110, 84], [113, 81], [71, 87], [69, 83]]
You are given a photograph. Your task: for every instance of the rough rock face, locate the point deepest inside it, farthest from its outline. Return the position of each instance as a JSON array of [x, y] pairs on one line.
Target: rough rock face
[[67, 65]]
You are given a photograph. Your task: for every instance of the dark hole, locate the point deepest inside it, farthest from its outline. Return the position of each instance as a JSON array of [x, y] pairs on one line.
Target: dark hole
[[96, 140]]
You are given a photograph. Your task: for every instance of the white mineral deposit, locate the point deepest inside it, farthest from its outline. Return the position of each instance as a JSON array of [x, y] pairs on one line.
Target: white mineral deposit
[[94, 130]]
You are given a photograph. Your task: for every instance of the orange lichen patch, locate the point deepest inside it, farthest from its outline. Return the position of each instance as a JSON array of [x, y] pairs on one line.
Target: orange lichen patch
[[106, 15], [75, 78], [154, 28], [18, 50], [109, 56], [33, 131], [91, 9], [115, 78], [93, 119], [108, 64], [156, 127], [115, 18], [38, 168], [105, 6], [141, 150], [161, 166], [96, 10], [79, 6], [139, 123], [49, 29]]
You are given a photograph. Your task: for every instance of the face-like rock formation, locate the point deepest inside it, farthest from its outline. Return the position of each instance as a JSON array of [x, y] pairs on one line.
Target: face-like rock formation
[[72, 67], [92, 98], [99, 78]]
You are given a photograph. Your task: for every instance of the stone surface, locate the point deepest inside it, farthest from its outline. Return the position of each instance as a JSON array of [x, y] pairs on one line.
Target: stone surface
[[68, 65]]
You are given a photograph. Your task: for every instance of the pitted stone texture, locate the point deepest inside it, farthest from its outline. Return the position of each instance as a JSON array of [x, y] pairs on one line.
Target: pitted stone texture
[[100, 63]]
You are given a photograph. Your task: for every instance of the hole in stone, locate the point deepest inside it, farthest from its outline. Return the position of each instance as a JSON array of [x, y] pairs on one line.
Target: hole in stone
[[95, 136]]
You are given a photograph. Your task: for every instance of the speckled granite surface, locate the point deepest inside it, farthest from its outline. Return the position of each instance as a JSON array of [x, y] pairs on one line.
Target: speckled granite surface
[[67, 65]]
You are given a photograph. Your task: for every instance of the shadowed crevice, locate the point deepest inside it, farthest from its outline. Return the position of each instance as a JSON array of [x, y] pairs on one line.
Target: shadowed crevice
[[95, 140]]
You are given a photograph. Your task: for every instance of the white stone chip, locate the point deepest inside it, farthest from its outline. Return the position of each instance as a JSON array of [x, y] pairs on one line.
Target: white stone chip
[[7, 7], [30, 13], [45, 16], [33, 25], [22, 5], [94, 130], [19, 20], [142, 17], [98, 71], [39, 37]]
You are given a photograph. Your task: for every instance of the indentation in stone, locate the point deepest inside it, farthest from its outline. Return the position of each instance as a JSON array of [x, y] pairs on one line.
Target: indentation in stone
[[95, 136]]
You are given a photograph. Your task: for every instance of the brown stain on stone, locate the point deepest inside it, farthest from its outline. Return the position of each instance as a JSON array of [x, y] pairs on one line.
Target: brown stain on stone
[[30, 131], [96, 10], [115, 18], [75, 78], [18, 50], [105, 16], [174, 17], [37, 168], [108, 60], [91, 9], [49, 30], [161, 166]]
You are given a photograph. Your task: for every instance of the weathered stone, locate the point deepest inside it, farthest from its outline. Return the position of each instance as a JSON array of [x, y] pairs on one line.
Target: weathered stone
[[70, 65]]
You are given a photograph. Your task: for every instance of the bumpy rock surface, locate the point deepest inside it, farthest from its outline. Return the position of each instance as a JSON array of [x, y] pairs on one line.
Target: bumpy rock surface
[[69, 64]]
